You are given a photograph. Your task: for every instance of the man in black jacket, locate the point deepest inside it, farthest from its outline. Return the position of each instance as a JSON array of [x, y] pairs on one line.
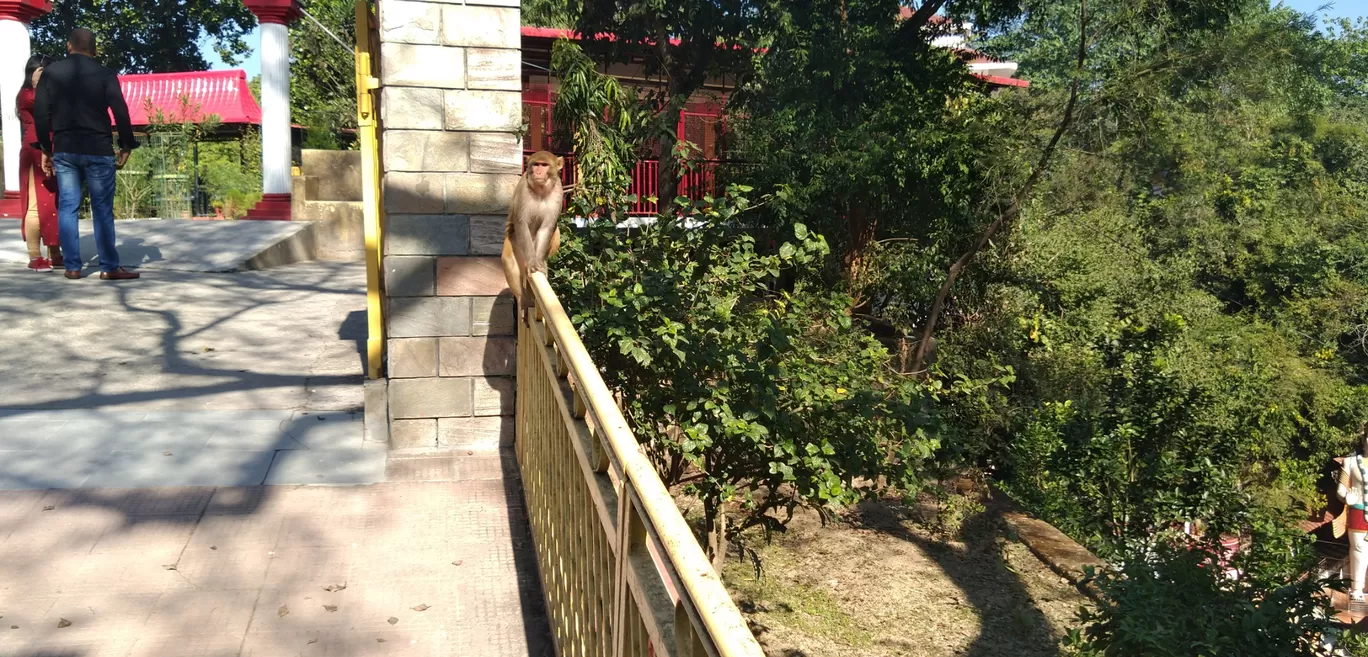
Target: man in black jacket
[[71, 115]]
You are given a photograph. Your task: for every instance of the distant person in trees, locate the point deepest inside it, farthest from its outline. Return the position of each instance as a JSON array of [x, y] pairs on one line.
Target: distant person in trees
[[1352, 481], [36, 187], [71, 115]]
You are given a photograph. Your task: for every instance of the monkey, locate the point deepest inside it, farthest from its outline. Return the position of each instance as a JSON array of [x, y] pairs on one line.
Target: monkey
[[533, 234]]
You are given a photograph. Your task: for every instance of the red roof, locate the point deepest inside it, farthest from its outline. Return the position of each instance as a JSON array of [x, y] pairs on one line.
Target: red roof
[[973, 56], [222, 93]]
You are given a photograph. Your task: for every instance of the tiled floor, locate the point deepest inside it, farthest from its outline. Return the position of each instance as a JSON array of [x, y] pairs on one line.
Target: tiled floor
[[129, 449], [156, 410], [184, 379], [421, 569]]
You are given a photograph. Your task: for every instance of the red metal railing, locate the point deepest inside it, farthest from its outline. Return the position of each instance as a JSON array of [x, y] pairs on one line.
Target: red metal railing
[[697, 183]]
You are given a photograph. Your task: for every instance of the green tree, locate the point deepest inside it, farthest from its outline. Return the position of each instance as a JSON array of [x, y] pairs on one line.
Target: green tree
[[683, 42], [323, 80], [757, 399], [549, 13], [149, 36], [606, 125]]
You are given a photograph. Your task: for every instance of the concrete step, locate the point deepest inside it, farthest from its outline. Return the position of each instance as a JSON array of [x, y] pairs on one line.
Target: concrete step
[[331, 175], [188, 245], [449, 465], [339, 228]]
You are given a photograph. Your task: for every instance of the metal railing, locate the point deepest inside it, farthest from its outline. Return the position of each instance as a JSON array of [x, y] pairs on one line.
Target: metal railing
[[622, 572], [695, 183], [368, 132]]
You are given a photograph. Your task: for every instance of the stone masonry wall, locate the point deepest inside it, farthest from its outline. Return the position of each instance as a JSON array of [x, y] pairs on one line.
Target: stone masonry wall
[[451, 107]]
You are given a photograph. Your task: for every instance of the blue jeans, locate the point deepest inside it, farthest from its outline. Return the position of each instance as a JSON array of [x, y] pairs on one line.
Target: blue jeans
[[97, 172]]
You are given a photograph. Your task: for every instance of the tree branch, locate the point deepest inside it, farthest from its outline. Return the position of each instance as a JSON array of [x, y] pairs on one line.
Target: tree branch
[[923, 14], [1012, 210]]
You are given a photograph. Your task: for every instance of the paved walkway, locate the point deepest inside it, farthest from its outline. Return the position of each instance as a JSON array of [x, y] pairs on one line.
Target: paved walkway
[[138, 421], [416, 569], [170, 244], [184, 379]]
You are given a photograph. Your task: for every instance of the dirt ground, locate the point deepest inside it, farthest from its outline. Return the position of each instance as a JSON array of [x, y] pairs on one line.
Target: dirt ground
[[876, 583]]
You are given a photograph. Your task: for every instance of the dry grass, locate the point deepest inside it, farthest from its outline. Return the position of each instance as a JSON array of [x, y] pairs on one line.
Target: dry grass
[[879, 584]]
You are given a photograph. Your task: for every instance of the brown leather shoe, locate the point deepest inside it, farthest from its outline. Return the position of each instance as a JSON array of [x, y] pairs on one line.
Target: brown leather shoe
[[119, 274], [73, 274]]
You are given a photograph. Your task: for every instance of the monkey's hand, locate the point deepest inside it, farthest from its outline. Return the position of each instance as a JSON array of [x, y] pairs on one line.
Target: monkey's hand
[[535, 265]]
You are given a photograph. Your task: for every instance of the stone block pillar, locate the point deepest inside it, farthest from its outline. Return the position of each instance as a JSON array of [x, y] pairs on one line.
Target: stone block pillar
[[15, 16], [451, 108]]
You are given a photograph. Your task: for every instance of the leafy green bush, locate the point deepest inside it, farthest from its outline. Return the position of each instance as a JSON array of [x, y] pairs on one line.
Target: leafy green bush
[[744, 392], [231, 173], [1177, 602]]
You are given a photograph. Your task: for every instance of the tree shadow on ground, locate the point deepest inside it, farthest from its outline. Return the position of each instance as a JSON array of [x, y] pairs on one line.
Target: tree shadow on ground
[[155, 570], [990, 586], [222, 305]]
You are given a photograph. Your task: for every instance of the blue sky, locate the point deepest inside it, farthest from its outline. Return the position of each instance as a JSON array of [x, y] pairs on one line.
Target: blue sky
[[1338, 8], [253, 63], [1349, 8]]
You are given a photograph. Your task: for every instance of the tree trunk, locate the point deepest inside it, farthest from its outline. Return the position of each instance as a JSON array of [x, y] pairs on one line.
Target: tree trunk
[[859, 235], [717, 540], [667, 174], [1012, 211]]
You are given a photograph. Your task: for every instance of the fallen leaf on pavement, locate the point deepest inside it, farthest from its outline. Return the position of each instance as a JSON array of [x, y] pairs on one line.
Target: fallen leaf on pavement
[[62, 622], [213, 547], [49, 507], [335, 588], [330, 607], [170, 566], [166, 453], [393, 620], [379, 640], [421, 608], [457, 562], [313, 640], [283, 611]]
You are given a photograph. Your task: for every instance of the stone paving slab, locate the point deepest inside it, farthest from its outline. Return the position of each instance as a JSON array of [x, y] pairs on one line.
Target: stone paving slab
[[285, 339], [219, 572], [184, 379], [170, 244], [130, 449]]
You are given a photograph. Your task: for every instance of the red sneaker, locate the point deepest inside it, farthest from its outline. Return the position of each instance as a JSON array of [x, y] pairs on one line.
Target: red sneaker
[[40, 264]]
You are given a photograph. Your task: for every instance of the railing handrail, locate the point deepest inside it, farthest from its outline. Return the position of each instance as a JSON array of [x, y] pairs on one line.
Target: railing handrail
[[714, 605]]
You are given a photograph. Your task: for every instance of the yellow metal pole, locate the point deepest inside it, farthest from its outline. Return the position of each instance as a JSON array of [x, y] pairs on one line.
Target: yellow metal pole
[[366, 84]]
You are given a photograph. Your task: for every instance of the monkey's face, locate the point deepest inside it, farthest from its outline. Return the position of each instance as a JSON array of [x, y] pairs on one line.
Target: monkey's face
[[541, 171]]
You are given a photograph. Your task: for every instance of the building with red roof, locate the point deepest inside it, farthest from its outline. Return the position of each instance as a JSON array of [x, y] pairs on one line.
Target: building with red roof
[[191, 97], [702, 122]]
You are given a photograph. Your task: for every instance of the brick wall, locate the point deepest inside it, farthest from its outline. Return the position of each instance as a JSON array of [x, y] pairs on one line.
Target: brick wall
[[451, 107]]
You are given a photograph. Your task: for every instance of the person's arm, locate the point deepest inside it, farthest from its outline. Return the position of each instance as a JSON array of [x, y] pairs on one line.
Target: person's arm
[[115, 99], [42, 115], [1346, 479]]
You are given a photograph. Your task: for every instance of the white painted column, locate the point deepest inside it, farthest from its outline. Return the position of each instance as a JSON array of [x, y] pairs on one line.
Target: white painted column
[[275, 108], [14, 54]]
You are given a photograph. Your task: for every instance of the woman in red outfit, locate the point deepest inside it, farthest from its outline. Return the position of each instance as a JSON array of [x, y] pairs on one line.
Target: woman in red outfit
[[38, 189]]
